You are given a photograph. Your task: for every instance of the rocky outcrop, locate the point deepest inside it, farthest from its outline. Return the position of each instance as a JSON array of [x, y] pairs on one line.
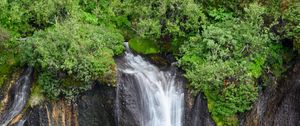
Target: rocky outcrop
[[127, 106], [93, 108], [279, 105], [96, 107], [58, 113], [196, 111]]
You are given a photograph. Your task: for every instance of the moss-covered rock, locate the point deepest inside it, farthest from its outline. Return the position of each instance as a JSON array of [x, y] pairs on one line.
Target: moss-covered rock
[[158, 60], [36, 96], [143, 46]]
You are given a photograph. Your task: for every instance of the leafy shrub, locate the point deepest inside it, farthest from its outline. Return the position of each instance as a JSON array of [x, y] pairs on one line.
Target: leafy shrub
[[25, 16], [49, 85], [233, 99], [55, 87], [82, 50], [219, 14], [225, 61], [236, 6], [98, 12], [292, 27], [163, 22], [8, 61]]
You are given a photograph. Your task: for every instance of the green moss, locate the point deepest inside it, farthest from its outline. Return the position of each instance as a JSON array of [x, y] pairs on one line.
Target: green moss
[[36, 96], [7, 61], [143, 46]]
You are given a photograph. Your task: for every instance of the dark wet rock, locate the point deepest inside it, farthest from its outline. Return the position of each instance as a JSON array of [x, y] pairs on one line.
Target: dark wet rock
[[278, 106], [158, 60], [128, 105], [200, 114], [55, 113], [196, 111], [37, 116], [96, 107]]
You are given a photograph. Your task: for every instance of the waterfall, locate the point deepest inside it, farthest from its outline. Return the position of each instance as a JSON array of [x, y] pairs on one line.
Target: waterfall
[[158, 94], [19, 98]]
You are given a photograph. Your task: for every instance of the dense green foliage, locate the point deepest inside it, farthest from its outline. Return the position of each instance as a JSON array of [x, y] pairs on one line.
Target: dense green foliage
[[54, 86], [26, 16], [8, 59], [225, 61], [82, 50], [64, 37], [224, 46], [235, 7], [167, 23], [292, 27]]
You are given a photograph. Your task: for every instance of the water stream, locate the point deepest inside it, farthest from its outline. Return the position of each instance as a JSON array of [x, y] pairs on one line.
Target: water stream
[[20, 96], [160, 97]]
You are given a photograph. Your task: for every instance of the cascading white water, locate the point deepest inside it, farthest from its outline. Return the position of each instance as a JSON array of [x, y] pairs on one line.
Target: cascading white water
[[160, 96], [21, 94]]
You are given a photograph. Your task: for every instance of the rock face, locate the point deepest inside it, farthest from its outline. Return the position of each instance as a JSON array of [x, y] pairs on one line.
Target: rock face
[[127, 104], [278, 106], [94, 108], [57, 113], [196, 111]]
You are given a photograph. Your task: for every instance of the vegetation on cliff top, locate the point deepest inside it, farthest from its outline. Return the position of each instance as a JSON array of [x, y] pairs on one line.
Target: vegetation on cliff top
[[61, 38], [78, 49], [225, 60]]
